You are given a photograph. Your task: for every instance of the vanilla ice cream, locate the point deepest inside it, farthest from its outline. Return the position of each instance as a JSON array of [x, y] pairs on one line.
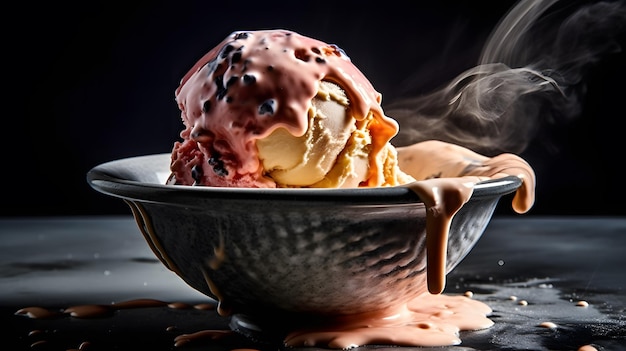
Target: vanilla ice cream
[[330, 154]]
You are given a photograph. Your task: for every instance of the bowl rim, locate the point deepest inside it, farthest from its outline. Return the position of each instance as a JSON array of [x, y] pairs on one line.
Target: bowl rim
[[111, 179]]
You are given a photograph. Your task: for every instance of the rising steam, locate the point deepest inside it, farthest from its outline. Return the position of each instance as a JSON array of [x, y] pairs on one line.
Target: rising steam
[[531, 73]]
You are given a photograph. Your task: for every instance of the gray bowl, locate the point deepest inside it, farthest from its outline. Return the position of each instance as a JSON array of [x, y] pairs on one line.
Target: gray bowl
[[300, 251]]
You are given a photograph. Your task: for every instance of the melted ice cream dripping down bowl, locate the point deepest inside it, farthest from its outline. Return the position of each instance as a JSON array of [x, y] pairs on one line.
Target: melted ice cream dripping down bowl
[[293, 251]]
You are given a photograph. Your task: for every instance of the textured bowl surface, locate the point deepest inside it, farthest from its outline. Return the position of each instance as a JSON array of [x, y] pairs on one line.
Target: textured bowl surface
[[294, 250]]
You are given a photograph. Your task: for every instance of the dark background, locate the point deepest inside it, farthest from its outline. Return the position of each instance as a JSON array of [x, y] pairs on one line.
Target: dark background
[[92, 82]]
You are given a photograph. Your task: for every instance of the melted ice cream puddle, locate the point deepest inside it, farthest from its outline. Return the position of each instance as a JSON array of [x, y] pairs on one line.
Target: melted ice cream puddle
[[428, 320]]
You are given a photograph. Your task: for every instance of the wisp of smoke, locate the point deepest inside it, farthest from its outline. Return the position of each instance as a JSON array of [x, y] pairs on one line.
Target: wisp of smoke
[[531, 73]]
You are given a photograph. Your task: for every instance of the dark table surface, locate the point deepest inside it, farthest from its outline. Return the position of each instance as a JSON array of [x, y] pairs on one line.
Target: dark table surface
[[551, 263]]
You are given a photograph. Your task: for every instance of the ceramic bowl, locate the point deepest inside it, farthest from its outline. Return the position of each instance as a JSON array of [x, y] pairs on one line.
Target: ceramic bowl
[[259, 251]]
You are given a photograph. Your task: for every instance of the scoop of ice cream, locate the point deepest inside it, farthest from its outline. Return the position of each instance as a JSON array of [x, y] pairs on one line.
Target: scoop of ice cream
[[306, 160], [277, 109]]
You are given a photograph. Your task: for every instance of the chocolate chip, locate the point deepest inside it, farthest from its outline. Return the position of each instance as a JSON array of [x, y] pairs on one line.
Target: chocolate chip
[[206, 106], [241, 36], [221, 89], [196, 173], [218, 166], [232, 80], [236, 57], [267, 107], [225, 51], [248, 79]]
